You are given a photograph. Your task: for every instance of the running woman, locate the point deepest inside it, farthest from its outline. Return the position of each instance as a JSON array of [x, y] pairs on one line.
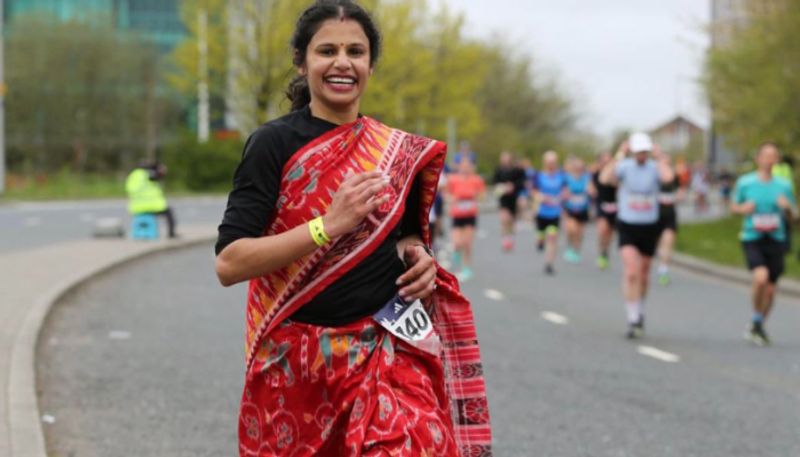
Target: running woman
[[549, 187], [668, 197], [638, 179], [464, 189], [763, 200], [349, 341], [606, 201], [509, 182], [576, 206]]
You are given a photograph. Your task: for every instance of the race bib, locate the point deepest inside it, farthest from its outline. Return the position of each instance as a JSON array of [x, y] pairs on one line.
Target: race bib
[[578, 200], [464, 206], [766, 222], [641, 202], [409, 322], [609, 208], [667, 198]]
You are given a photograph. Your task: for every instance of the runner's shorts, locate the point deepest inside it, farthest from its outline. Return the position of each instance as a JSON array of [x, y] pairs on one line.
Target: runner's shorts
[[644, 237], [461, 222], [610, 216], [765, 252], [580, 216], [509, 202], [668, 218], [543, 223]]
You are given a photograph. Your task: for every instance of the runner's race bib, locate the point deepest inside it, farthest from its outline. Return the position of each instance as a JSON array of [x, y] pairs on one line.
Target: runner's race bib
[[608, 207], [768, 222], [465, 206], [578, 200], [667, 198], [641, 202], [409, 322]]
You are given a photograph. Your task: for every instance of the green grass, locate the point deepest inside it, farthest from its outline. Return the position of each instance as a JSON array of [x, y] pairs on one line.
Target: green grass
[[72, 186], [718, 241]]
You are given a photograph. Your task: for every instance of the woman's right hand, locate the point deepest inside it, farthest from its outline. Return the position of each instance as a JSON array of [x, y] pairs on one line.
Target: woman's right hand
[[354, 200]]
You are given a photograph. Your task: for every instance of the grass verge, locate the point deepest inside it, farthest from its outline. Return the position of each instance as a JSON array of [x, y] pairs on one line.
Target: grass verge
[[718, 241]]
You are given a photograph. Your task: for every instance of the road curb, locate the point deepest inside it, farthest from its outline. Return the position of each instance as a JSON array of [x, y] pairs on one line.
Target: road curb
[[787, 287], [27, 436]]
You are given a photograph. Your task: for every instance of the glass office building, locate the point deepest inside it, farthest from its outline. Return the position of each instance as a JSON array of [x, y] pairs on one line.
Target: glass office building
[[156, 20]]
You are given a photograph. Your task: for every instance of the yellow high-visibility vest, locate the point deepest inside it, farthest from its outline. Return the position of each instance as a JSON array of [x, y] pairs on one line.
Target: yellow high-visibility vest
[[144, 195], [783, 171]]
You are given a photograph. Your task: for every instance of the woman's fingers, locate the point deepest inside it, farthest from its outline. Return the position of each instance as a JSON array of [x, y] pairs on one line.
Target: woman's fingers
[[420, 288]]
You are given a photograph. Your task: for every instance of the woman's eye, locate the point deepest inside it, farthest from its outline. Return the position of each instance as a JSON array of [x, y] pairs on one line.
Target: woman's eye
[[356, 52], [327, 52]]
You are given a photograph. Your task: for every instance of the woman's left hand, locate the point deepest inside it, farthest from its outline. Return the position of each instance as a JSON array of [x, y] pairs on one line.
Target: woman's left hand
[[419, 281]]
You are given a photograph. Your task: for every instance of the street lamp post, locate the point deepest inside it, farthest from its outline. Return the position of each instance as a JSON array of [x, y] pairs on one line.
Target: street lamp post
[[2, 109], [203, 111]]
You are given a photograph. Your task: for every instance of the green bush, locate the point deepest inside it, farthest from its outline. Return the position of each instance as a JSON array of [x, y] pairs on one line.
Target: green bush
[[203, 167]]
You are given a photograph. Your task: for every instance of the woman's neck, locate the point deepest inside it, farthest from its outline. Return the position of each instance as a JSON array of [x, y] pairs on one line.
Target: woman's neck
[[765, 175], [339, 117]]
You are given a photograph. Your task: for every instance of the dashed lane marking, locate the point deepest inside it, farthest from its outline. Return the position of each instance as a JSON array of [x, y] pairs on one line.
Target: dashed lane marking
[[493, 294], [555, 318], [658, 354], [119, 335]]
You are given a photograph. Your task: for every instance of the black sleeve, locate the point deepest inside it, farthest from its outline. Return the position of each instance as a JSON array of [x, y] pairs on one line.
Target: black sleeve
[[256, 185], [410, 225], [496, 177]]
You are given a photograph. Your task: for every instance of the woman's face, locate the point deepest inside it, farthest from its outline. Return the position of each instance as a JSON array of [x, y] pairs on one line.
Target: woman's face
[[338, 64]]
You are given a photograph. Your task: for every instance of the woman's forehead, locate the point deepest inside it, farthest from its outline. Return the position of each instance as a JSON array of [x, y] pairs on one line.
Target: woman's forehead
[[336, 31]]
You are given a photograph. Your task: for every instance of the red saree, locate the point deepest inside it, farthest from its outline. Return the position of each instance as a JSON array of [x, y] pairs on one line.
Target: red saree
[[357, 390]]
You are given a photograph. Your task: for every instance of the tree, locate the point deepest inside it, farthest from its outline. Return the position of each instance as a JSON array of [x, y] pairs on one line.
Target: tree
[[753, 80], [81, 95]]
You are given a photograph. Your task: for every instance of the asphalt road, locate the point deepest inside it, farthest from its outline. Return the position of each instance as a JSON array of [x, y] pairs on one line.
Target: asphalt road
[[33, 224], [147, 360]]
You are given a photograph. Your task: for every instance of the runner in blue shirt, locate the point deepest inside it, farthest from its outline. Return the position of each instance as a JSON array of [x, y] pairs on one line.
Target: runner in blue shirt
[[576, 206], [549, 187], [763, 199]]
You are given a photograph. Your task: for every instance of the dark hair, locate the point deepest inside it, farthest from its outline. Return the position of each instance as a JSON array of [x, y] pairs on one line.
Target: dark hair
[[307, 26]]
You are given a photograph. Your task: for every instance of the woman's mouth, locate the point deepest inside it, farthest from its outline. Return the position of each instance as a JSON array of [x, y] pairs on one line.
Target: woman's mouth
[[341, 83]]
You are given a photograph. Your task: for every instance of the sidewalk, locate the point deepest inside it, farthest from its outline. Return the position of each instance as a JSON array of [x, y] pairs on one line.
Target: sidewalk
[[31, 282]]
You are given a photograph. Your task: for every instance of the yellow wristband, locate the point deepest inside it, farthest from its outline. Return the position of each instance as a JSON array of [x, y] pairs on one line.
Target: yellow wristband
[[317, 230]]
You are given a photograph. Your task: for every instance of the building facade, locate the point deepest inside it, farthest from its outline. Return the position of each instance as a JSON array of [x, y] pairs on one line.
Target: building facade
[[157, 21]]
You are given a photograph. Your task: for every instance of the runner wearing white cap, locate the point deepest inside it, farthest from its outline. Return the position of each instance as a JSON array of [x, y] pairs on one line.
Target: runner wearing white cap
[[638, 178]]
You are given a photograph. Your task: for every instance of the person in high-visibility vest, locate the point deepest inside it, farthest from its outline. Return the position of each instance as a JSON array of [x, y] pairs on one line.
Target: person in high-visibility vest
[[145, 195], [784, 170]]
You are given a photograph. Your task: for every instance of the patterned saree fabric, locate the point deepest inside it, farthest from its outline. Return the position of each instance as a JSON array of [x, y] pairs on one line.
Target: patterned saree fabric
[[356, 390]]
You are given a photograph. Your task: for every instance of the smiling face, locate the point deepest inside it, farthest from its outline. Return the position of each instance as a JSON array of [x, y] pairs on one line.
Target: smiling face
[[337, 66]]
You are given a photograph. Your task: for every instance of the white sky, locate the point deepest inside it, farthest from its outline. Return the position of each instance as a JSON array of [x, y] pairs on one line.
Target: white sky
[[627, 63]]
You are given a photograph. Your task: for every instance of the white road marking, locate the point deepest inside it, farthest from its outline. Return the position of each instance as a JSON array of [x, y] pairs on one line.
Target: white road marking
[[48, 419], [119, 335], [658, 354], [555, 318], [493, 294], [33, 221]]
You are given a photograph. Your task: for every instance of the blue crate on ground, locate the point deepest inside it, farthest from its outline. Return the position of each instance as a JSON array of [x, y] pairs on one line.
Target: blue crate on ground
[[144, 227]]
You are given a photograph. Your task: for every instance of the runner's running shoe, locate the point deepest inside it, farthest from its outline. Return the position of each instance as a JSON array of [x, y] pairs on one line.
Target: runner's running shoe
[[549, 270], [664, 279], [465, 274], [636, 330], [757, 334], [602, 262]]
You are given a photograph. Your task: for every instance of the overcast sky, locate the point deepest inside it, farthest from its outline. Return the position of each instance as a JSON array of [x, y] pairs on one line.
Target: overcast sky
[[628, 63]]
